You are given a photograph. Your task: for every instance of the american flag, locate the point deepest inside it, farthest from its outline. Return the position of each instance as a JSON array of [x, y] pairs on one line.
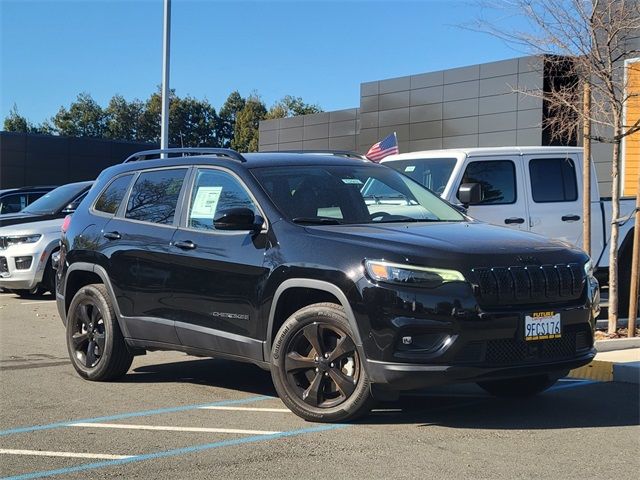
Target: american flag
[[385, 147]]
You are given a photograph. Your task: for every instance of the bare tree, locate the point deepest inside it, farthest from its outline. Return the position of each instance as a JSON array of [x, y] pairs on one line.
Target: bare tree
[[583, 42]]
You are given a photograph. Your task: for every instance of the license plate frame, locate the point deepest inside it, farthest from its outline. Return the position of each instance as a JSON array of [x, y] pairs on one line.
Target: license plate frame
[[542, 326]]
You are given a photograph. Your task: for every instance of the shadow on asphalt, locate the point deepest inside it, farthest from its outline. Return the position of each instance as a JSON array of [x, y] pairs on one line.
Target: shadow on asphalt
[[573, 405]]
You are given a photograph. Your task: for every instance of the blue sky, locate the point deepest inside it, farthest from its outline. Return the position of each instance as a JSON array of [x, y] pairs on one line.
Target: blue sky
[[319, 50]]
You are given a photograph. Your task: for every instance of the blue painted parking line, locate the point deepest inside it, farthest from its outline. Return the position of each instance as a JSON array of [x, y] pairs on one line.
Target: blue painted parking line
[[567, 383], [121, 416], [174, 452]]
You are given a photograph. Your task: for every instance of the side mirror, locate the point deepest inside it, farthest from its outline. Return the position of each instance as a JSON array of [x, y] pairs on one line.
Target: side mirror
[[238, 219], [470, 193]]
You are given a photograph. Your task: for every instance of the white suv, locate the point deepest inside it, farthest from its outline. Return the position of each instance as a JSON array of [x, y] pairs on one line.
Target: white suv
[[25, 256]]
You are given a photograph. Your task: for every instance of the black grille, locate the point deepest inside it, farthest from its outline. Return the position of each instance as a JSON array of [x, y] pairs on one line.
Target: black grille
[[530, 284], [511, 351], [4, 268]]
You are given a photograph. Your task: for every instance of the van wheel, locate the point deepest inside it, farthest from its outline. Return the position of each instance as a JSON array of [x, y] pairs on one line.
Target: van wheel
[[519, 387], [95, 343], [317, 369]]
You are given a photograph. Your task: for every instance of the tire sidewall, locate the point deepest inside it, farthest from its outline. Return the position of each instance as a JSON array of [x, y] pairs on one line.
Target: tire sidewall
[[348, 409], [96, 296]]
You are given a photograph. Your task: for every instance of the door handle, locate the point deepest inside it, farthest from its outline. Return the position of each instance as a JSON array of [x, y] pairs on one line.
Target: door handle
[[185, 245], [570, 218], [513, 220], [112, 235]]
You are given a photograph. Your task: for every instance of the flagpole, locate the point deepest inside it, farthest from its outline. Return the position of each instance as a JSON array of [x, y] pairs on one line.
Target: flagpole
[[166, 37]]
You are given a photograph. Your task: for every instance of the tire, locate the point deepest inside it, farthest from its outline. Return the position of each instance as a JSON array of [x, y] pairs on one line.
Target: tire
[[92, 320], [49, 278], [329, 385], [519, 387]]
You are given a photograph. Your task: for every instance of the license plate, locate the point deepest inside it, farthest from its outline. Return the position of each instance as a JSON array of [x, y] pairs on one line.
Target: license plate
[[542, 326]]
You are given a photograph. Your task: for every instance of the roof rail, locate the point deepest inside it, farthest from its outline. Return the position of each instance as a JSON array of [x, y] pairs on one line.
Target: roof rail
[[335, 153], [185, 152]]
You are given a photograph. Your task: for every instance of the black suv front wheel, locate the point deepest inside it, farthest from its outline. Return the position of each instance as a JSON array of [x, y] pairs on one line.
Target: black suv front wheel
[[316, 367], [95, 343]]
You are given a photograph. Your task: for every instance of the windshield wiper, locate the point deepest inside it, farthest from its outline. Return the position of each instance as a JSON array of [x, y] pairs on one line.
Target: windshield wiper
[[317, 221], [408, 220]]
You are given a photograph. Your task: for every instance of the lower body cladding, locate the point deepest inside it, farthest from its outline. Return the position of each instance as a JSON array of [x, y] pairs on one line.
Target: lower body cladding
[[406, 351]]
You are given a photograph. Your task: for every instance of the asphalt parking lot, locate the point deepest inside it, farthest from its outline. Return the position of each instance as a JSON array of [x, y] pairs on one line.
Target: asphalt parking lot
[[175, 416]]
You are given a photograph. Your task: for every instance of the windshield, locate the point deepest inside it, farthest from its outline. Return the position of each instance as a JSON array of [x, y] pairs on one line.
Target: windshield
[[56, 199], [433, 173], [336, 194]]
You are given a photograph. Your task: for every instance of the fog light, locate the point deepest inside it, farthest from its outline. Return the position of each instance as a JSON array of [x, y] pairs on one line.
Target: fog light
[[23, 263], [422, 342]]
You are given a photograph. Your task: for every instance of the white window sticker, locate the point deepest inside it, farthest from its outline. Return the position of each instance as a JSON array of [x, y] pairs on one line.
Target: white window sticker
[[206, 202], [410, 168]]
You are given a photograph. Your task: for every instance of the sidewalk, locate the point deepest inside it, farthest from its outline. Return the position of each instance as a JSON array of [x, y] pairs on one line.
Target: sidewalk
[[612, 365]]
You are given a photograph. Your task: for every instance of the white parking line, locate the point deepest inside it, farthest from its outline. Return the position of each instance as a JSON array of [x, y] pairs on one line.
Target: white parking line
[[41, 453], [246, 409], [34, 303], [167, 428]]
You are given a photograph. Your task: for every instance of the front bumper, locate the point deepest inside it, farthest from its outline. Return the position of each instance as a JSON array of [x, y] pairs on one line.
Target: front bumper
[[411, 376], [13, 278]]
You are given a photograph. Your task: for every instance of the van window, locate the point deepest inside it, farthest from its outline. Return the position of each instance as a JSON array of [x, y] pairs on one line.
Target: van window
[[154, 196], [497, 179], [553, 180]]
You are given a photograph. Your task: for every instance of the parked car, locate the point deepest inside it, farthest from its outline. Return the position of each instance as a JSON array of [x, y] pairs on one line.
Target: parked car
[[55, 204], [278, 259], [26, 265], [534, 189], [13, 200]]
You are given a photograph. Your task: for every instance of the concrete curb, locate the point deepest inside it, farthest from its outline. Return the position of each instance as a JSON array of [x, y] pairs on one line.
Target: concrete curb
[[613, 344], [596, 370]]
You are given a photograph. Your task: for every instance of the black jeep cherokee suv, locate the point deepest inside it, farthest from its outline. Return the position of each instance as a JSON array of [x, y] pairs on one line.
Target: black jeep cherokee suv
[[279, 259]]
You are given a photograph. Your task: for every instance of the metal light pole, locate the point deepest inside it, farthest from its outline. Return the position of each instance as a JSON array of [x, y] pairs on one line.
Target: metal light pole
[[164, 125]]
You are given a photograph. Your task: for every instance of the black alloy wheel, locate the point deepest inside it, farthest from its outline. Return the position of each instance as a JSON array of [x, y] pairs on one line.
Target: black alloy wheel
[[95, 343], [88, 333], [322, 365], [317, 368]]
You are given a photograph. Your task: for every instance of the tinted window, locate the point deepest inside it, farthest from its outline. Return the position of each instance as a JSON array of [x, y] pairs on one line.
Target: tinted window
[[335, 194], [553, 180], [154, 196], [13, 203], [57, 199], [497, 179], [33, 196], [213, 192], [110, 199], [433, 173]]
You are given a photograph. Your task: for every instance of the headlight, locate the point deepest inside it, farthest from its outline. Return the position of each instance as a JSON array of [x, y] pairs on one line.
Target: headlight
[[588, 268], [411, 275], [18, 239]]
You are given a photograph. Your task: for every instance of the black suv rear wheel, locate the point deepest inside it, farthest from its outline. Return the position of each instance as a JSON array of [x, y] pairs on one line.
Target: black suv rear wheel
[[94, 340], [316, 367]]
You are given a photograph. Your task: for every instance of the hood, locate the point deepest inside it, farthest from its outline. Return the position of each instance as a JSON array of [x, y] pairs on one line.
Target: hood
[[21, 217], [447, 244], [41, 227]]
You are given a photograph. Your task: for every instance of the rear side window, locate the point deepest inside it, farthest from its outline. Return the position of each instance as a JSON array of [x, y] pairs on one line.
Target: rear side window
[[154, 196], [111, 198], [553, 180], [497, 179]]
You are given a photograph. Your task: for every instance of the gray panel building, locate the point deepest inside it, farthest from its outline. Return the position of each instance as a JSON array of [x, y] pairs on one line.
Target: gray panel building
[[462, 107]]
